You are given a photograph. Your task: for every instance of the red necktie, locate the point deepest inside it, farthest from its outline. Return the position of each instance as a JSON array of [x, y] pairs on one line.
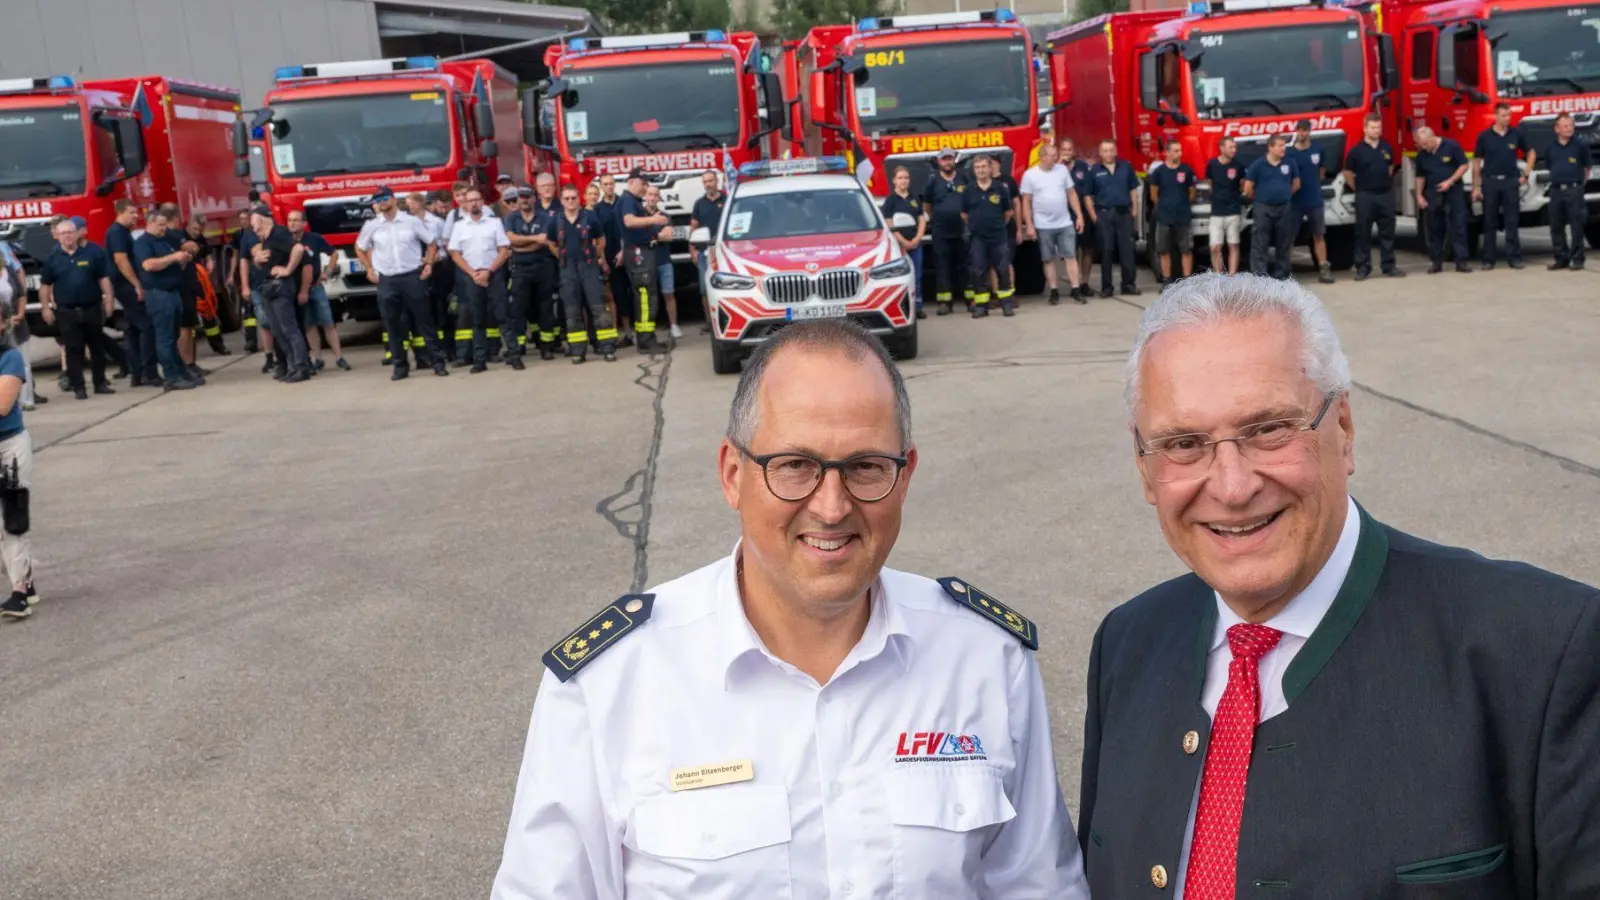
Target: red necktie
[[1213, 854]]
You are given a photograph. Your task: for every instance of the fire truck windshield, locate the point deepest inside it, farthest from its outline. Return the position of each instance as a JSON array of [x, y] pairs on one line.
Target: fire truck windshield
[[41, 152], [670, 106], [1263, 71], [366, 133], [940, 87], [799, 214], [1555, 50]]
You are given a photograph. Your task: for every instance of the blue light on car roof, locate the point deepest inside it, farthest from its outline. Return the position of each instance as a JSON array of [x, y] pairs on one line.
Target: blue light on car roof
[[59, 81], [288, 72], [1004, 15], [867, 24], [422, 62], [715, 36], [577, 44]]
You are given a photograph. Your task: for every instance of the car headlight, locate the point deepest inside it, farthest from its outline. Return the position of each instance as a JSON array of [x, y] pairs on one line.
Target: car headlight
[[900, 268], [727, 281]]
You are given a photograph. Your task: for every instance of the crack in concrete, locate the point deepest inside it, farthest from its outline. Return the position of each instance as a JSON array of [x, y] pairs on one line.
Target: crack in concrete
[[129, 408], [640, 484]]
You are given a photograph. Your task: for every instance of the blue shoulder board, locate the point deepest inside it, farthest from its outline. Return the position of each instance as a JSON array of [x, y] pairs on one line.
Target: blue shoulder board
[[993, 610], [579, 648]]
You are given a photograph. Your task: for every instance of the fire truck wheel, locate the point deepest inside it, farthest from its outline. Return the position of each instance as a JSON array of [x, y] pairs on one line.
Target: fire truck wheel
[[726, 357], [1341, 248], [1591, 234]]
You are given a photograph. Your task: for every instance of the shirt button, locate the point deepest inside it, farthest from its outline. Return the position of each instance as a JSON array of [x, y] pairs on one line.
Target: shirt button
[[1191, 742], [847, 887], [838, 790], [960, 810]]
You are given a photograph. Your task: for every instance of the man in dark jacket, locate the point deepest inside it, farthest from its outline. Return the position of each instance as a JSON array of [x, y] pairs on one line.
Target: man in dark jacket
[[1326, 707]]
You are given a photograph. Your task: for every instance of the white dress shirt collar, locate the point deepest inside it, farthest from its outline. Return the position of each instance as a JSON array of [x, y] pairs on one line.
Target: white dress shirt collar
[[1304, 613], [886, 629]]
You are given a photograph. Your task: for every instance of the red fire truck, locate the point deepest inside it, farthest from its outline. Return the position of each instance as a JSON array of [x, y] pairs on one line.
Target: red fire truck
[[332, 133], [1460, 58], [72, 148], [1245, 69], [672, 104], [893, 91]]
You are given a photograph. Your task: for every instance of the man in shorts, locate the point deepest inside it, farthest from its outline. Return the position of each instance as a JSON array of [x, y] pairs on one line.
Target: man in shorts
[[1172, 188], [1052, 215], [1227, 206], [1307, 206]]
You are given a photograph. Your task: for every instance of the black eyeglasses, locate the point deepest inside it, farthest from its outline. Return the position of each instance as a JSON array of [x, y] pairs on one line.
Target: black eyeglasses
[[791, 477]]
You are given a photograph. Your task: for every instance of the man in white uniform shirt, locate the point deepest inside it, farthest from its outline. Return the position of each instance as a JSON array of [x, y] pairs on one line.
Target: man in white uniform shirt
[[480, 249], [795, 720], [397, 249]]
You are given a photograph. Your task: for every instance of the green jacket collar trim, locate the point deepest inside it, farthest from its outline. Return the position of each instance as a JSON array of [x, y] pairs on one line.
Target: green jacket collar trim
[[1360, 583]]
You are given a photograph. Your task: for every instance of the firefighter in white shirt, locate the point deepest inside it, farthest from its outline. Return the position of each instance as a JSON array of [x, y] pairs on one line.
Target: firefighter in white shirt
[[397, 250], [796, 720], [480, 248]]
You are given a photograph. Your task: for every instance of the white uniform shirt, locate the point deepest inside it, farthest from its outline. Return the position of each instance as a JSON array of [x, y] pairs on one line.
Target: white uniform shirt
[[397, 245], [435, 227], [848, 799], [1296, 620], [479, 240]]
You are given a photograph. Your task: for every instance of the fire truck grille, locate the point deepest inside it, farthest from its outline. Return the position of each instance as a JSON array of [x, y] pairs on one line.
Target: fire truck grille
[[337, 218], [834, 284], [922, 167], [1541, 133], [1331, 146]]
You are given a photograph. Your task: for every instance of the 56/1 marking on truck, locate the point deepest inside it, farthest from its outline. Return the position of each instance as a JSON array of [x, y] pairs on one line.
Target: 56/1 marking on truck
[[886, 58]]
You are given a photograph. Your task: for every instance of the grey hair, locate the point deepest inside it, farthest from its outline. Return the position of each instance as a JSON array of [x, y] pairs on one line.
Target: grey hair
[[836, 335], [1208, 298]]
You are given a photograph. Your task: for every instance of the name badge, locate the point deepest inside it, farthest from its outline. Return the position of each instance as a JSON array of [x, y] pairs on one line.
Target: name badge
[[1233, 173], [712, 775]]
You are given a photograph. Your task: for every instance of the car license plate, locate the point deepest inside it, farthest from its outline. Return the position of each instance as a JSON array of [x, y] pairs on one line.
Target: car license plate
[[1594, 171], [816, 311], [357, 268], [32, 282], [680, 232]]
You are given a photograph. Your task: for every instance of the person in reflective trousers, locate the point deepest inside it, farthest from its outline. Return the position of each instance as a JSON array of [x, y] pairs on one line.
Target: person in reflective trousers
[[1497, 183], [1113, 189], [579, 239], [480, 249], [1270, 183], [1369, 172], [942, 198], [986, 208], [639, 231], [544, 305], [529, 247], [1569, 161], [1441, 167]]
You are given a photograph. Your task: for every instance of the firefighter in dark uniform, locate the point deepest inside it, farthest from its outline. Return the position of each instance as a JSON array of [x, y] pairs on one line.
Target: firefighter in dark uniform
[[942, 198], [579, 239], [986, 208], [529, 250], [1369, 171], [639, 232], [1441, 167], [1270, 183], [1497, 183], [1569, 160], [544, 303], [1111, 192], [1088, 239]]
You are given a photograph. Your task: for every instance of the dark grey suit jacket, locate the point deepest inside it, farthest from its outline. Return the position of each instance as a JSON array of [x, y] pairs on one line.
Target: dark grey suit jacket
[[1442, 738]]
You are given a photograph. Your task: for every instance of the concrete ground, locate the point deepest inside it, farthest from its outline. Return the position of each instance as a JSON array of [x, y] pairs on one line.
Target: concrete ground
[[290, 634]]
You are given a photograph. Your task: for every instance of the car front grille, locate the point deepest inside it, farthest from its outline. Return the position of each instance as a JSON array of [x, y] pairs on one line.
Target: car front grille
[[795, 287]]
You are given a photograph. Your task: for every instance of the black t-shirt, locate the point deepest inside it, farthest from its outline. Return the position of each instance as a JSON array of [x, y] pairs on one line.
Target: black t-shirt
[[1499, 151], [315, 245], [280, 244], [943, 201], [575, 237], [611, 225], [630, 205], [1372, 166], [525, 225], [146, 247], [1226, 198], [1172, 193], [1440, 163], [986, 210], [75, 277], [708, 212], [911, 206], [1015, 191], [119, 240], [1568, 163]]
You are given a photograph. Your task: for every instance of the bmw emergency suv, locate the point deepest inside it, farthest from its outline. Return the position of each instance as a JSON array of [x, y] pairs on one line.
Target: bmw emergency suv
[[801, 239]]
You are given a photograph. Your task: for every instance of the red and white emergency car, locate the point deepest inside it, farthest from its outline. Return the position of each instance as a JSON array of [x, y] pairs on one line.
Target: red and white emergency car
[[802, 239]]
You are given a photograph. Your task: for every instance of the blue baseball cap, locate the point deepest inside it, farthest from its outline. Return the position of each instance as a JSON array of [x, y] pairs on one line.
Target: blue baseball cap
[[80, 222], [383, 193]]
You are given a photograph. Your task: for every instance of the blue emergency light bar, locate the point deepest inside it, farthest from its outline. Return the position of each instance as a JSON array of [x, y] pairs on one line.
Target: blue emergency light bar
[[25, 85], [358, 68], [812, 165], [922, 21], [640, 41]]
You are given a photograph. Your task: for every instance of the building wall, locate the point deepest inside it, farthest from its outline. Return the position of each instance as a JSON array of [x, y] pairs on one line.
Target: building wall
[[232, 43]]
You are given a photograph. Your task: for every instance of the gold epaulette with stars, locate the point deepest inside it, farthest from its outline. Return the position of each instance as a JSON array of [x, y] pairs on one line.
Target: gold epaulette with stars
[[1020, 626], [580, 648]]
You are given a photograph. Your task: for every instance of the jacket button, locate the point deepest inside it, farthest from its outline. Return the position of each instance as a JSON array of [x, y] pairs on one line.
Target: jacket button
[[1191, 742], [1158, 876]]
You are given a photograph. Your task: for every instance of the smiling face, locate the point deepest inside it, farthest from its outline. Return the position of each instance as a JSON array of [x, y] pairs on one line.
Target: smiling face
[[818, 555], [1256, 535]]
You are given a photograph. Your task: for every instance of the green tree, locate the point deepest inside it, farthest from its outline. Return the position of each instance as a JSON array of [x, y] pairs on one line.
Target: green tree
[[793, 18], [1088, 9], [650, 16]]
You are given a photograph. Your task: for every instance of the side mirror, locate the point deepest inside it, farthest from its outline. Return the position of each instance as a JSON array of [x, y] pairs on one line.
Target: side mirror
[[130, 148], [700, 237], [1444, 73], [1149, 90], [902, 220], [772, 96], [491, 149], [241, 168], [483, 117], [1167, 110], [241, 138], [530, 118], [1387, 64]]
